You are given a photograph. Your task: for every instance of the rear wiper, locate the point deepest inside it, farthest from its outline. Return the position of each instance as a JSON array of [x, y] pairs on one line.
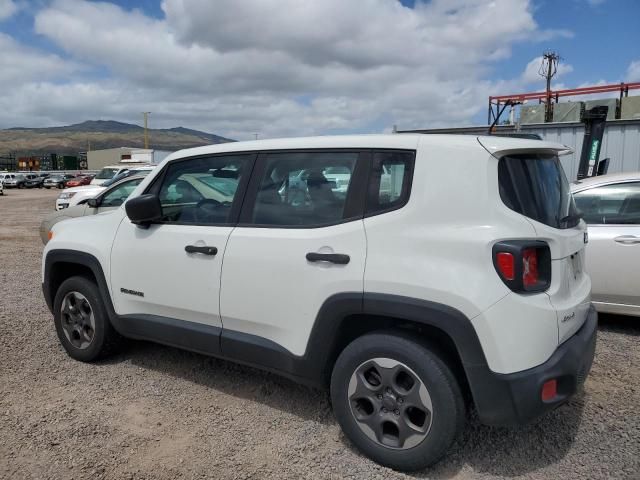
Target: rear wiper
[[573, 217]]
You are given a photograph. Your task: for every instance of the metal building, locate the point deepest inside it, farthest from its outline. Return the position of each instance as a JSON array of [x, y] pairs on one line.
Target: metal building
[[97, 159], [621, 141]]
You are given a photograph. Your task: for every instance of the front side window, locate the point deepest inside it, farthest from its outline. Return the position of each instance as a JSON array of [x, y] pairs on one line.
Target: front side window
[[304, 188], [534, 185], [610, 204], [119, 194], [201, 191]]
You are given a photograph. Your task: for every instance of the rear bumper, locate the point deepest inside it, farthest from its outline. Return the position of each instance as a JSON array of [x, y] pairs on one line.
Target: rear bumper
[[515, 399]]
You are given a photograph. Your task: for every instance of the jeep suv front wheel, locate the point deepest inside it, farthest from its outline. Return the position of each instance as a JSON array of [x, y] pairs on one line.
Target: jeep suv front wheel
[[81, 320], [396, 400]]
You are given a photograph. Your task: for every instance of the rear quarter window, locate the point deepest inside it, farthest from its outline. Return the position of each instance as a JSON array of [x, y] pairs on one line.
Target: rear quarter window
[[534, 185]]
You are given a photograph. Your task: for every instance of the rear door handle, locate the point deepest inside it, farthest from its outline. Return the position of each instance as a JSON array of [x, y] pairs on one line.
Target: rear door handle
[[627, 239], [337, 258], [204, 249]]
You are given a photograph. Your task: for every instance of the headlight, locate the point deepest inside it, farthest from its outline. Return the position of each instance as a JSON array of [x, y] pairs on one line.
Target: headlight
[[66, 196]]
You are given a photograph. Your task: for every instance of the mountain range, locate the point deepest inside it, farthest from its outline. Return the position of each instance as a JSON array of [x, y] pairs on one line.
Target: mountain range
[[96, 135]]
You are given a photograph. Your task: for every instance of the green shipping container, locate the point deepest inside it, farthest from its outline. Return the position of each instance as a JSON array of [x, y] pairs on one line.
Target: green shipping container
[[69, 162]]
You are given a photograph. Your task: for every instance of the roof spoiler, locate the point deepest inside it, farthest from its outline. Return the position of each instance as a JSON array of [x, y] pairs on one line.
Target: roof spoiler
[[498, 145]]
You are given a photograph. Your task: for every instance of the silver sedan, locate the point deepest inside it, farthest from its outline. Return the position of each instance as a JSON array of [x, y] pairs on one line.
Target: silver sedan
[[611, 207], [108, 199]]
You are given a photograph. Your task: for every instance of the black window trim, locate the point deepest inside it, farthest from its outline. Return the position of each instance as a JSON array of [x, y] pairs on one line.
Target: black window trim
[[372, 205], [354, 203], [238, 198]]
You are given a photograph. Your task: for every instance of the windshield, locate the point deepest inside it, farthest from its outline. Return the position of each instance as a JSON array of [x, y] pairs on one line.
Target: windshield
[[535, 186], [106, 173]]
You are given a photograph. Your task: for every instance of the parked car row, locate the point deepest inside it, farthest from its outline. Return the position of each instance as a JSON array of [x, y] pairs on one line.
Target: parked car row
[[76, 195], [21, 180], [43, 180]]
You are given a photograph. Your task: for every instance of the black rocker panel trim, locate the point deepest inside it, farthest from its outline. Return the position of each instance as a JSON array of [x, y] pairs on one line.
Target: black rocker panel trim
[[192, 336]]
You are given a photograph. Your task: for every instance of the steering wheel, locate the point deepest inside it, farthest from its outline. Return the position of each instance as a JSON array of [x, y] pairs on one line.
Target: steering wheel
[[206, 210]]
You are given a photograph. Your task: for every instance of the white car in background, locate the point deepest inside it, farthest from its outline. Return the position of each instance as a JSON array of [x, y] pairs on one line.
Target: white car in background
[[112, 171], [610, 205], [109, 198], [76, 195]]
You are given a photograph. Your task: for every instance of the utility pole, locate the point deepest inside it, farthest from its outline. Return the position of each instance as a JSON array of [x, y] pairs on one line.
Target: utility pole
[[548, 69], [146, 130]]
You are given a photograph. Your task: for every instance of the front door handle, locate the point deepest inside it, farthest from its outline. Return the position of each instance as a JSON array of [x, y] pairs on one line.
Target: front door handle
[[201, 249], [337, 258], [627, 239]]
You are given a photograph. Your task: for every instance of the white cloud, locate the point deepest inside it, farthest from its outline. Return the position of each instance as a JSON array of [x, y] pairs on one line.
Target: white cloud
[[633, 72], [7, 9], [278, 67], [20, 64]]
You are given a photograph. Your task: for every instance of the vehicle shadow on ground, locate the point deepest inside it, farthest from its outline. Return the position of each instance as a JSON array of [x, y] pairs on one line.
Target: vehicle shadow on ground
[[619, 324], [495, 451], [229, 378]]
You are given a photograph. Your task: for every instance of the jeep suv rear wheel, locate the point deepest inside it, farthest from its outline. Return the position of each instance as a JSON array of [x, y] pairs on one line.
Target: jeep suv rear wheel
[[81, 320], [397, 401]]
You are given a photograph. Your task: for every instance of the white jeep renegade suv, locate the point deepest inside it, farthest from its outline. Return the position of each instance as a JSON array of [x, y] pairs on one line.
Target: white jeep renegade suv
[[441, 268]]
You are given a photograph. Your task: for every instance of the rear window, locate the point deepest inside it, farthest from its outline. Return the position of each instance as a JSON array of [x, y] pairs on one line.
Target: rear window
[[535, 186]]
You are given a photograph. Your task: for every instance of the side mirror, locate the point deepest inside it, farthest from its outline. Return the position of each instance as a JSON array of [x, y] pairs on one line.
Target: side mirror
[[144, 209], [93, 202]]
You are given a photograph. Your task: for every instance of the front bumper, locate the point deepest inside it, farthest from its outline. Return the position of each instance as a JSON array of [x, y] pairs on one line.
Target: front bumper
[[515, 399]]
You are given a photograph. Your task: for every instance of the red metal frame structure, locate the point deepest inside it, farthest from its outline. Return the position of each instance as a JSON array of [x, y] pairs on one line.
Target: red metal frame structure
[[518, 98]]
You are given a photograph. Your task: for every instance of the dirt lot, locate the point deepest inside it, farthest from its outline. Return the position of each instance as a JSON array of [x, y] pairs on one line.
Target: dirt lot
[[156, 412]]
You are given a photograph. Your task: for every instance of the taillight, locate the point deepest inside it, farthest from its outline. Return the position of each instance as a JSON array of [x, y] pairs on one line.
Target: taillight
[[504, 262], [523, 265]]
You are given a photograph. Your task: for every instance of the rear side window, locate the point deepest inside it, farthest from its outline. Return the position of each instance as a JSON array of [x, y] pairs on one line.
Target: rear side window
[[390, 181], [535, 186], [610, 204], [304, 189]]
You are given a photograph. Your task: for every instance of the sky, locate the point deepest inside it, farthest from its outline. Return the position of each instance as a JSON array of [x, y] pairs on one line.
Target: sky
[[299, 67]]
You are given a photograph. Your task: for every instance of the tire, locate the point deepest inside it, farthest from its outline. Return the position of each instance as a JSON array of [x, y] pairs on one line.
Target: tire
[[85, 336], [398, 402]]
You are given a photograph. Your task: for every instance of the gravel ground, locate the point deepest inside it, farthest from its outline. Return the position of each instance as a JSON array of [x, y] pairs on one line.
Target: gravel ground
[[157, 412]]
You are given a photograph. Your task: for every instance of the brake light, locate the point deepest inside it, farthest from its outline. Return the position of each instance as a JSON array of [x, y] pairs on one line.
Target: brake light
[[504, 261], [523, 265], [529, 267]]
